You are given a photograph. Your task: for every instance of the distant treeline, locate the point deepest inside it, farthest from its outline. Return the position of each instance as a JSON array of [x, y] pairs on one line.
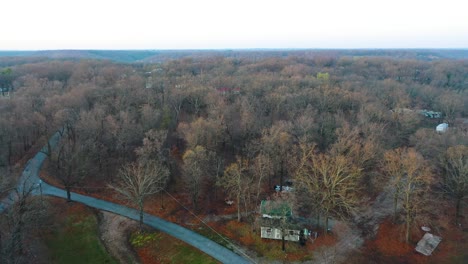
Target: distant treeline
[[158, 56]]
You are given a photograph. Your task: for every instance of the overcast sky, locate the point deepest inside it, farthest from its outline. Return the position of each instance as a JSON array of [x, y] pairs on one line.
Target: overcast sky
[[219, 24]]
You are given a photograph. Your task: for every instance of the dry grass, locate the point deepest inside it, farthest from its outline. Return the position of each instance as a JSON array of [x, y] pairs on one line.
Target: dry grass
[[157, 247]]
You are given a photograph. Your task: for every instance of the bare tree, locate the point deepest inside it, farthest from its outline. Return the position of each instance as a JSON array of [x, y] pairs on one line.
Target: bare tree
[[393, 168], [69, 164], [277, 143], [362, 148], [20, 218], [153, 146], [202, 132], [414, 185], [196, 171], [450, 103], [455, 181], [262, 167], [331, 181], [137, 181], [409, 176], [236, 181]]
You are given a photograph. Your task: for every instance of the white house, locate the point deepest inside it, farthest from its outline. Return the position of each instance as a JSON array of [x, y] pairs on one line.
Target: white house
[[275, 233]]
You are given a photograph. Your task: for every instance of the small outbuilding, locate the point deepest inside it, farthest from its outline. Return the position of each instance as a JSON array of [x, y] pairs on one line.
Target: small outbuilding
[[4, 92], [431, 114], [441, 128], [427, 244]]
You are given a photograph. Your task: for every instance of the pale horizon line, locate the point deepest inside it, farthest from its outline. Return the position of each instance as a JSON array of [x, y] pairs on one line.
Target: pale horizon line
[[232, 49]]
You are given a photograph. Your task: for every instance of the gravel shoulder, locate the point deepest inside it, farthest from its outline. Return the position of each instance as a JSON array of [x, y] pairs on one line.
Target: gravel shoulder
[[114, 230]]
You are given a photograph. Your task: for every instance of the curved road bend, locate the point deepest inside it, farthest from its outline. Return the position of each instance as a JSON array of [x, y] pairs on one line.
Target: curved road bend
[[30, 178]]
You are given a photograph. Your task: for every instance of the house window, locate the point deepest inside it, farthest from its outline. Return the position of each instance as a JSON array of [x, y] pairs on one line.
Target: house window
[[291, 232], [269, 230]]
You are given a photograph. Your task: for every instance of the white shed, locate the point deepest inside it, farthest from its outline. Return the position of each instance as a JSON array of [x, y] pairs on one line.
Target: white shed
[[427, 244], [442, 127]]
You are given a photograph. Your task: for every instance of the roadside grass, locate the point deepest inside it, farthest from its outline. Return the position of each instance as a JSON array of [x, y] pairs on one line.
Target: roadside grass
[[75, 237], [210, 234], [157, 247]]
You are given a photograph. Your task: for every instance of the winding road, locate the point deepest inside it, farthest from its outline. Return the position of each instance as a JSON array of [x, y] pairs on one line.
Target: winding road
[[30, 180]]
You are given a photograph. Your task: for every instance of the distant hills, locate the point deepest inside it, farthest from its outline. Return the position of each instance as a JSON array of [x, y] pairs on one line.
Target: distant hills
[[114, 55], [156, 56]]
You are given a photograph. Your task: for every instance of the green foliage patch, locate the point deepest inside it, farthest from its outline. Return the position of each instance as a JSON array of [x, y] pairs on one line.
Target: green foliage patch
[[76, 240], [141, 239], [187, 254], [167, 249]]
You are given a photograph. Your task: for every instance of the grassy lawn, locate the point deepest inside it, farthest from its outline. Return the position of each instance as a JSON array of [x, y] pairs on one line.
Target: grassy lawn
[[157, 247], [75, 238]]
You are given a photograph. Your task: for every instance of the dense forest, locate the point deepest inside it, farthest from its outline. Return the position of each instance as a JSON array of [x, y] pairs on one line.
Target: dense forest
[[341, 130]]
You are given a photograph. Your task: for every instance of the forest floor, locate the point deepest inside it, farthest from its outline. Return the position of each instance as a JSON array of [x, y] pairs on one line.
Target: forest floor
[[387, 243], [351, 236]]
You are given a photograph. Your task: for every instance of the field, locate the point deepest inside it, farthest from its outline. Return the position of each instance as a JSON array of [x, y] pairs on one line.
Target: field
[[156, 247], [74, 237]]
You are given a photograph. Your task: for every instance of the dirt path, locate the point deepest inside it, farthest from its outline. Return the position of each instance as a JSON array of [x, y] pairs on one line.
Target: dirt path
[[352, 236], [113, 231]]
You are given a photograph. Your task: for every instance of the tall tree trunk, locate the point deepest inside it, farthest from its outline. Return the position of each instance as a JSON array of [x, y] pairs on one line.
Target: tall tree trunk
[[326, 224], [238, 208], [283, 241], [281, 175], [395, 206], [408, 227], [140, 205], [25, 148], [457, 210], [49, 149], [10, 152], [68, 189], [195, 203], [162, 200], [100, 161], [408, 217]]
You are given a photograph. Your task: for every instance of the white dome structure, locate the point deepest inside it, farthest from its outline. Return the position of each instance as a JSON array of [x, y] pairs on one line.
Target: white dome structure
[[441, 128]]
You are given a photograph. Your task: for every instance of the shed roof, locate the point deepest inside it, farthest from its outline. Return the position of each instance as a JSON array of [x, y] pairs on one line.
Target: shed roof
[[427, 244]]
